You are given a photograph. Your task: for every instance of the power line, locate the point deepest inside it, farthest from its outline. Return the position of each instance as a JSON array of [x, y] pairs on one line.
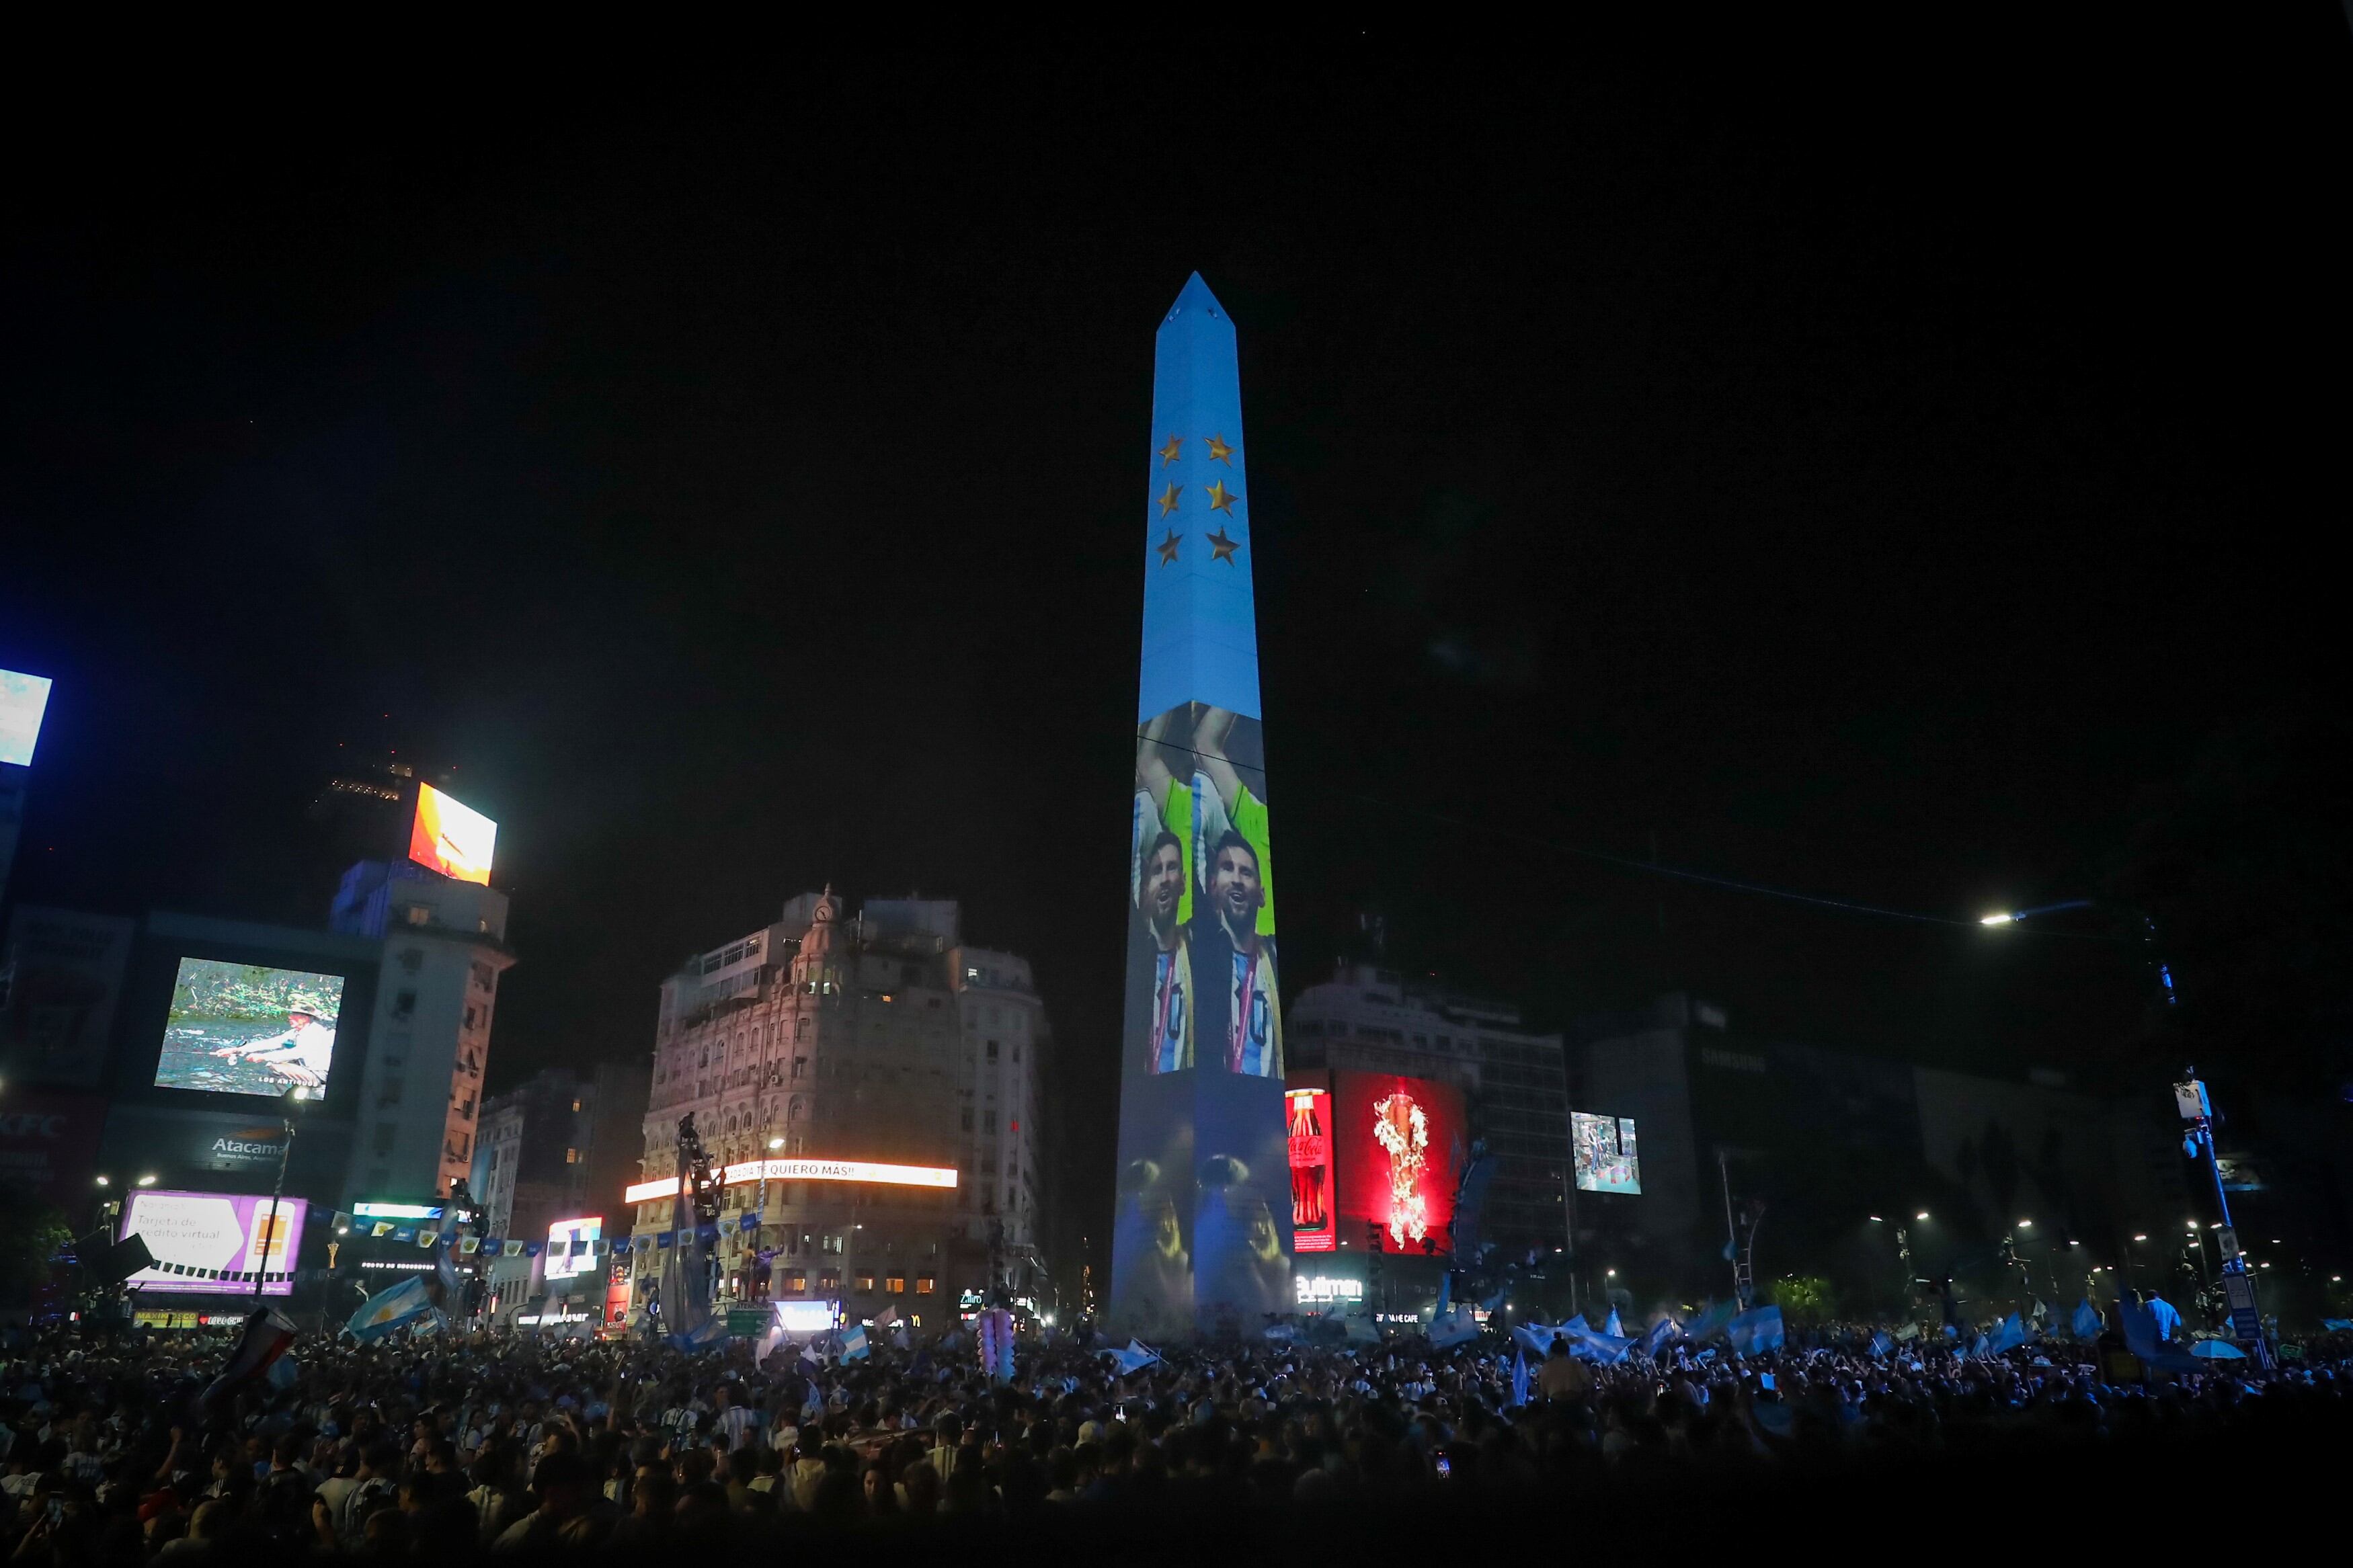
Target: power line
[[1680, 873]]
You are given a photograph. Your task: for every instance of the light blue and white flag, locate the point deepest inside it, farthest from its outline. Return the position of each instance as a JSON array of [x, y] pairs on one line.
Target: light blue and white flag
[[1613, 1328], [2087, 1324], [853, 1343], [1661, 1334], [1134, 1358], [385, 1310], [1755, 1331], [1454, 1328], [1980, 1347], [1880, 1345], [2008, 1335], [1710, 1321], [1519, 1377]]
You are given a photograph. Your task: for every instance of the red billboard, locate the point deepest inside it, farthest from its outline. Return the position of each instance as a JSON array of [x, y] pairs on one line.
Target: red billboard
[[1398, 1145], [1307, 1102]]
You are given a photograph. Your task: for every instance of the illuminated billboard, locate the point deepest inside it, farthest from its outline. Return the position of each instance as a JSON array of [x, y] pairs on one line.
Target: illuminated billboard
[[881, 1173], [23, 699], [1606, 1158], [1399, 1144], [244, 1028], [212, 1244], [451, 838], [572, 1246], [805, 1317], [1312, 1216]]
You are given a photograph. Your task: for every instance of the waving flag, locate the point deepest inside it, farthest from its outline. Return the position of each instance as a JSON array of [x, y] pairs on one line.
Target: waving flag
[[2008, 1335], [1880, 1345], [1613, 1328], [1592, 1344], [2087, 1322], [266, 1335], [1452, 1328], [1519, 1376], [385, 1310], [853, 1343], [1661, 1334], [1710, 1321], [1134, 1358], [1755, 1331]]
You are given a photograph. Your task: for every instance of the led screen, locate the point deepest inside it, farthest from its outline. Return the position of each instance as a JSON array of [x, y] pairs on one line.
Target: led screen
[[1606, 1161], [23, 699], [1202, 1230], [1311, 1218], [244, 1028], [805, 1317], [572, 1246], [451, 838], [1400, 1143], [212, 1244]]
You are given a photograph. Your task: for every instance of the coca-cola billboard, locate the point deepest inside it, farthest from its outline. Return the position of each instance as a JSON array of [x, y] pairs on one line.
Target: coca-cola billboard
[[1309, 1111]]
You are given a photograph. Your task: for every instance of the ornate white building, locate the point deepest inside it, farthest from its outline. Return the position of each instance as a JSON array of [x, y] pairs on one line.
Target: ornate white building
[[871, 1086]]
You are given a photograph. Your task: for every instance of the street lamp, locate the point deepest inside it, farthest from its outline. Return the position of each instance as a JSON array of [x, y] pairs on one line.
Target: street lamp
[[1922, 1215], [148, 1180]]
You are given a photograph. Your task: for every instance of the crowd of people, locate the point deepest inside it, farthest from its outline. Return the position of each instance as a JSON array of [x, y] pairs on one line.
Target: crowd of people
[[438, 1445]]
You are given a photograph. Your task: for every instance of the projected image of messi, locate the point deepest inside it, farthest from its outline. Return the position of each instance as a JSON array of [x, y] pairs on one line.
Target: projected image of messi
[[1201, 969]]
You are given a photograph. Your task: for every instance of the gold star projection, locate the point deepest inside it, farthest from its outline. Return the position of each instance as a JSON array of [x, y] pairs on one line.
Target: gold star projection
[[1221, 499]]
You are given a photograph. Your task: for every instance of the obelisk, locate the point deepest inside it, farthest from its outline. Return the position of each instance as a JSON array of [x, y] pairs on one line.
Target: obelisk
[[1201, 1237]]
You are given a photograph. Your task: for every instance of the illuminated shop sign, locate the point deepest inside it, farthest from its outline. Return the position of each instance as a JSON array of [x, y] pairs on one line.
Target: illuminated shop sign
[[1316, 1288], [808, 1171]]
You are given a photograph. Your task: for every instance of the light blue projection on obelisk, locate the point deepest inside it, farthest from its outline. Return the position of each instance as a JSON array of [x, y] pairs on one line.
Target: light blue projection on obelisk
[[1201, 1238]]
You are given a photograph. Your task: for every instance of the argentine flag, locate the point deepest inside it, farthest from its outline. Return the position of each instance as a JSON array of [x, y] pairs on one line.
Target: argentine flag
[[853, 1343], [389, 1309], [1757, 1330], [2087, 1321]]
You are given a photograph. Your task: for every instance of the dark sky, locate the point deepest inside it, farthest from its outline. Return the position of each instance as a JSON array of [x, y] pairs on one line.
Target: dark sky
[[1863, 490]]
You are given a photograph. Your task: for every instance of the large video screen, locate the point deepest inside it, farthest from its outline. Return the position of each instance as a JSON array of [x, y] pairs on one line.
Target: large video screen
[[212, 1244], [571, 1247], [245, 1029], [451, 838], [1606, 1160], [1202, 1230], [23, 699], [1400, 1144]]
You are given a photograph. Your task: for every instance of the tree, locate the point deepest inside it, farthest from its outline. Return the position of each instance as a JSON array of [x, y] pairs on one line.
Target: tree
[[1804, 1298], [31, 1235]]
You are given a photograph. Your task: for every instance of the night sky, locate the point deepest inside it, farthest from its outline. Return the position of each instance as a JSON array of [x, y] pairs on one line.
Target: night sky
[[1870, 492]]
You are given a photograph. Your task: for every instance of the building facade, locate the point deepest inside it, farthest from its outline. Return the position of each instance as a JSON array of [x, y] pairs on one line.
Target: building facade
[[444, 948], [870, 1088], [1512, 1079], [1814, 1159]]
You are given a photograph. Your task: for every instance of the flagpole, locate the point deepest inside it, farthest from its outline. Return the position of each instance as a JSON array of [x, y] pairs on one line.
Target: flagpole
[[291, 1101]]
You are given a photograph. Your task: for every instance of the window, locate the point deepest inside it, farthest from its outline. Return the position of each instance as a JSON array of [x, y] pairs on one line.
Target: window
[[896, 1284], [923, 1283], [992, 1045], [866, 1282], [469, 1011], [403, 1005], [800, 1067], [416, 914], [571, 1156], [798, 1282], [576, 1104], [829, 1279], [967, 1118], [833, 1242], [385, 1131], [1017, 1050]]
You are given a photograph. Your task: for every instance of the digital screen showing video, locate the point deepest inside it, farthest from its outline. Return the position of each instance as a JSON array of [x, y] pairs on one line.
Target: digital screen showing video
[[245, 1029], [1606, 1160]]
